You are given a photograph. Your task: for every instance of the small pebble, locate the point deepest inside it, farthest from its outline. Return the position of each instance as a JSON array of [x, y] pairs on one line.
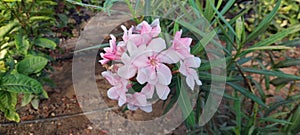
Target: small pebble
[[90, 127], [52, 114]]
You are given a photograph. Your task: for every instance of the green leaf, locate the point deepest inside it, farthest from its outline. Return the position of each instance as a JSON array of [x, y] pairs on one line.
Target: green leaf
[[41, 18], [185, 104], [7, 28], [269, 48], [271, 73], [270, 119], [280, 81], [26, 99], [263, 25], [22, 44], [8, 102], [19, 83], [292, 43], [35, 103], [287, 63], [31, 64], [295, 119], [44, 42], [246, 93]]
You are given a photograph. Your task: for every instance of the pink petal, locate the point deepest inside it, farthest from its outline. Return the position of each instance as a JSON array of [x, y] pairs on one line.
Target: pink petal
[[157, 44], [148, 90], [144, 27], [127, 71], [190, 82], [162, 91], [112, 93], [110, 77], [164, 74], [155, 28], [142, 76], [125, 58], [192, 62], [122, 99], [131, 48], [147, 108], [183, 69], [168, 56], [132, 107]]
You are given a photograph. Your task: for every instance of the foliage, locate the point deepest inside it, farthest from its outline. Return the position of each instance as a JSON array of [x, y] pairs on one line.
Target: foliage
[[25, 40], [252, 52]]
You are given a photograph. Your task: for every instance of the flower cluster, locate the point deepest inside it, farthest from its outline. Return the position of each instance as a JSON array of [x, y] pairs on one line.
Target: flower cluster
[[143, 57]]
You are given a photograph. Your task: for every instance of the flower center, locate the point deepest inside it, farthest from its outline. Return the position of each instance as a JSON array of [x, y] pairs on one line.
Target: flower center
[[153, 61]]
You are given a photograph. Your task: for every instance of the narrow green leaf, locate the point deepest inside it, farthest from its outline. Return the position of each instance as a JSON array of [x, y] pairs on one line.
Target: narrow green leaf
[[31, 64], [280, 81], [44, 42], [19, 83], [185, 104], [269, 119], [268, 48], [291, 43], [271, 73], [41, 18], [264, 23], [287, 63], [246, 93]]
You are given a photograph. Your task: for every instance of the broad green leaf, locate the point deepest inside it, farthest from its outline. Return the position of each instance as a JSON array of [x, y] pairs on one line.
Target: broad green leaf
[[246, 93], [19, 83], [7, 28], [44, 42], [35, 103], [26, 99], [8, 102], [11, 0], [31, 64], [287, 63], [22, 44]]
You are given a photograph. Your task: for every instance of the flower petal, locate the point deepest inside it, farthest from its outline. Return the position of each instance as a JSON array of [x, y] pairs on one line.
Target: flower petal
[[192, 62], [157, 44], [112, 93], [162, 91], [190, 82], [142, 76], [164, 74], [110, 77], [168, 56], [147, 108], [131, 47], [148, 90], [127, 71]]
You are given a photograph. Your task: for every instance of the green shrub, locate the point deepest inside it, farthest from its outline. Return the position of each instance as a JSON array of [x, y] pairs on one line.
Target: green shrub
[[25, 40]]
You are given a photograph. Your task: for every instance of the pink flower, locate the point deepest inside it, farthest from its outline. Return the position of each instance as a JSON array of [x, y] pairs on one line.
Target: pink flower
[[144, 32], [186, 68], [151, 68], [180, 48], [138, 100], [113, 52], [119, 89]]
